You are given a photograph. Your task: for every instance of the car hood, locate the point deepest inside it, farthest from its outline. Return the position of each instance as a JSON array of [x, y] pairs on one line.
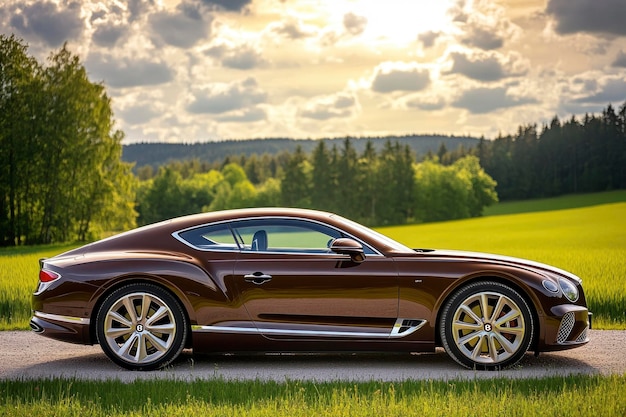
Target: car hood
[[492, 258]]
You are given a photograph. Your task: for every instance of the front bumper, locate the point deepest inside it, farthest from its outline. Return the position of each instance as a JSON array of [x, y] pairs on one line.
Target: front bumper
[[567, 327]]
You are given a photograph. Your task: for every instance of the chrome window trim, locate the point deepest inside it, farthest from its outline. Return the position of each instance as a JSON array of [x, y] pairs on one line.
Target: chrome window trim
[[177, 236]]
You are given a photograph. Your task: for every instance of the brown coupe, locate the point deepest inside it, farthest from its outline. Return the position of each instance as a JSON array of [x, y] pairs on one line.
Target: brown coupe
[[269, 280]]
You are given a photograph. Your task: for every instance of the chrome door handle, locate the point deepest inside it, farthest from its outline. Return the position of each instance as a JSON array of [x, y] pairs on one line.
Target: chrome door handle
[[257, 278]]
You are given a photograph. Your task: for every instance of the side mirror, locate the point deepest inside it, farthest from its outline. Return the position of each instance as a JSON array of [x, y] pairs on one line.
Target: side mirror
[[345, 246]]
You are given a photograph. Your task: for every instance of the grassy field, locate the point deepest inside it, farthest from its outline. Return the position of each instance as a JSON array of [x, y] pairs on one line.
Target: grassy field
[[19, 269], [580, 396], [589, 241]]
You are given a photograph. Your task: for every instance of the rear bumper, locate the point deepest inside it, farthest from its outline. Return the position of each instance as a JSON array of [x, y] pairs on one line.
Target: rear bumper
[[63, 328]]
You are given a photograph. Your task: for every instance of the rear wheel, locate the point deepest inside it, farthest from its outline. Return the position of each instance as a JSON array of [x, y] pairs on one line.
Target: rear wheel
[[486, 325], [141, 327]]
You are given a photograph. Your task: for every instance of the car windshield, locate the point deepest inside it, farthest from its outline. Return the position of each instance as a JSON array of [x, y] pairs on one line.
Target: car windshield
[[375, 236]]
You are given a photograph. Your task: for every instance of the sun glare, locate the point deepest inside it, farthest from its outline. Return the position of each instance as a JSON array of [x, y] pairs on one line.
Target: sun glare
[[400, 21]]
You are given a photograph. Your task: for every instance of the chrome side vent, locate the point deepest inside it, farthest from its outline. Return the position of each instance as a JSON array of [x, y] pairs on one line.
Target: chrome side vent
[[404, 327]]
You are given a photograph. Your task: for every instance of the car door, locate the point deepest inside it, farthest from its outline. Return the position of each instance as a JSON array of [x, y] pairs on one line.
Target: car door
[[293, 286]]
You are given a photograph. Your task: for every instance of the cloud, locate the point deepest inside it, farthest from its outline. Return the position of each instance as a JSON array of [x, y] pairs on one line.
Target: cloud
[[138, 8], [47, 22], [620, 60], [138, 114], [222, 98], [332, 106], [611, 90], [483, 68], [291, 29], [228, 5], [249, 115], [428, 39], [354, 24], [389, 77], [591, 16], [426, 104], [124, 72], [108, 35], [487, 67], [483, 38], [484, 100], [183, 27], [242, 57]]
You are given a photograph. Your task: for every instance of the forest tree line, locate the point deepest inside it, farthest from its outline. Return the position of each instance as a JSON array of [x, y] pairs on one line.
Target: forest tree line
[[62, 177], [575, 156], [375, 188]]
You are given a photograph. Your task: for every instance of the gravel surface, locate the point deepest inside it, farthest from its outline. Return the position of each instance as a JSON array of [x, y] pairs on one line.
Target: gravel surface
[[25, 355]]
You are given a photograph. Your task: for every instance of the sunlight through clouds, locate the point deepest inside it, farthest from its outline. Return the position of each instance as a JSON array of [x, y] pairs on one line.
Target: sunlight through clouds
[[197, 70]]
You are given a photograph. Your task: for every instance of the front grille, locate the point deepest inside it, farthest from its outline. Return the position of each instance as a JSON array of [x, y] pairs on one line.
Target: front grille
[[567, 324], [583, 336]]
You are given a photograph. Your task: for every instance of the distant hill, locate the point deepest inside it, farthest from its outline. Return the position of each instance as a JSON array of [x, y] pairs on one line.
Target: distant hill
[[157, 154]]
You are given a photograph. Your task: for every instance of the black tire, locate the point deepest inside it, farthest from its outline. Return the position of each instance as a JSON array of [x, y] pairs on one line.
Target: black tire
[[141, 327], [486, 325]]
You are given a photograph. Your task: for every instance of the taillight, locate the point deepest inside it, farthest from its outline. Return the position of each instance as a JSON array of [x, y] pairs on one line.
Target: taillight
[[48, 276]]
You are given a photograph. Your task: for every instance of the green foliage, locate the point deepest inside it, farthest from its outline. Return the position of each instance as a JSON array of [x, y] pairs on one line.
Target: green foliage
[[575, 156], [296, 182], [372, 188], [573, 395], [62, 177], [456, 191]]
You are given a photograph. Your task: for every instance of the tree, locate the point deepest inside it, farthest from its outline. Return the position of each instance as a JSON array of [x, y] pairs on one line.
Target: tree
[[19, 102], [457, 191], [324, 179], [63, 166], [483, 188], [295, 185]]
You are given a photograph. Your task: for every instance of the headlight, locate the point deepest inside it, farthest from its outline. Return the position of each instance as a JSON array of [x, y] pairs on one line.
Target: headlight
[[550, 286], [569, 289]]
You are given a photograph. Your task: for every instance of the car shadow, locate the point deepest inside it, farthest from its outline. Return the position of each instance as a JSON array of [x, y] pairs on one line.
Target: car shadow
[[315, 367]]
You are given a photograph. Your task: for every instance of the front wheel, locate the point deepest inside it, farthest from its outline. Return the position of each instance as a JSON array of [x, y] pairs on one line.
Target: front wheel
[[141, 327], [486, 325]]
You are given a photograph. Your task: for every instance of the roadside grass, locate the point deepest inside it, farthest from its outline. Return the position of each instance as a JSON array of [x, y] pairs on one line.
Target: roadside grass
[[19, 269], [558, 396]]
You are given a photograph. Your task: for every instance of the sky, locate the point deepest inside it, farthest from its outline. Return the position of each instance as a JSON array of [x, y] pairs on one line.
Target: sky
[[203, 70]]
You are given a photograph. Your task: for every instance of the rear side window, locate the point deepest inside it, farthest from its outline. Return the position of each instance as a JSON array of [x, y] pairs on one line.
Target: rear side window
[[284, 235], [214, 237]]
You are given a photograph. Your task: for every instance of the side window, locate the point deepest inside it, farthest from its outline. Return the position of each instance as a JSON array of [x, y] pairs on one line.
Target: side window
[[215, 237], [285, 235]]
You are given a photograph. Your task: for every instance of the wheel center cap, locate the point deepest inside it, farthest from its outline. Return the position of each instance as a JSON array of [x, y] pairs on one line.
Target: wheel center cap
[[488, 327], [139, 328]]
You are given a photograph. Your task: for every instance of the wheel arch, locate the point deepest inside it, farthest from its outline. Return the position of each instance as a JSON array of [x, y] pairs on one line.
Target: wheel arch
[[525, 292], [177, 294]]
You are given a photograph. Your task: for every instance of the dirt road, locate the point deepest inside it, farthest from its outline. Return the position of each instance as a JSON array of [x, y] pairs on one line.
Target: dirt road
[[25, 355]]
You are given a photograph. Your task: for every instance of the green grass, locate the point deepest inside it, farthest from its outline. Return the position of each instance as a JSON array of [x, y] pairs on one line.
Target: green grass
[[558, 396], [556, 203], [19, 270]]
